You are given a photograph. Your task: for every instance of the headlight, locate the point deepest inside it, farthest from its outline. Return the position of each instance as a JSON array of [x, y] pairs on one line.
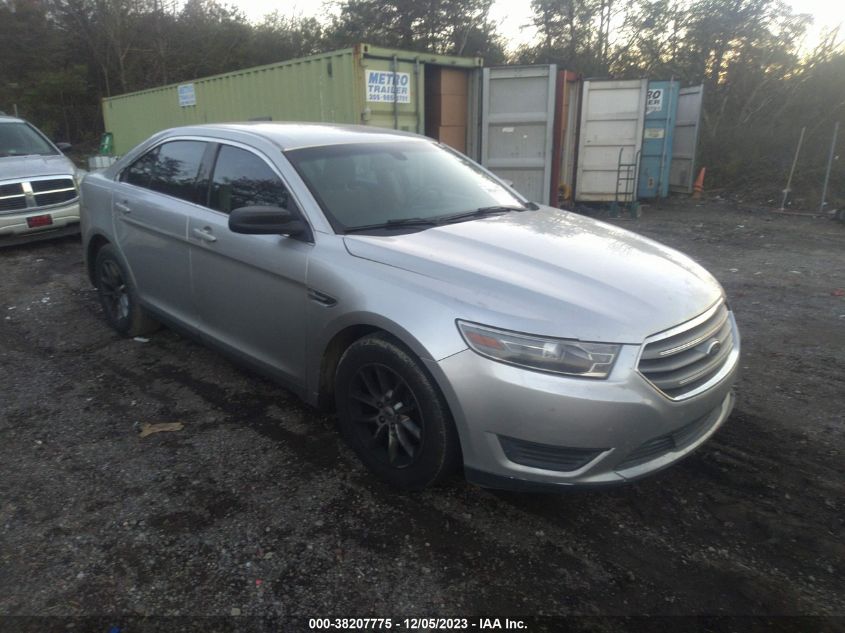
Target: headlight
[[78, 175], [589, 360]]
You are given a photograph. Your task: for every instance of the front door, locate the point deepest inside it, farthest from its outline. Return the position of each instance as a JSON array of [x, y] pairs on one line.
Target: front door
[[250, 290]]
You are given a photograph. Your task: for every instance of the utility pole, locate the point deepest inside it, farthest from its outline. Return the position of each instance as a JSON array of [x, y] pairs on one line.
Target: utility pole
[[792, 171], [829, 165]]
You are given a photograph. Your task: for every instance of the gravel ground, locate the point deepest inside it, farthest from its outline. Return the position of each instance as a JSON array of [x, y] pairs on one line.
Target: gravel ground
[[256, 507]]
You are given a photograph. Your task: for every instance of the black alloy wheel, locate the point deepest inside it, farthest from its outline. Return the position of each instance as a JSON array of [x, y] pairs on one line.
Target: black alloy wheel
[[393, 415], [113, 291], [386, 414]]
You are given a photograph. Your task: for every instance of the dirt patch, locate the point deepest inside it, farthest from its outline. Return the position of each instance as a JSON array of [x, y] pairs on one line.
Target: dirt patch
[[257, 505]]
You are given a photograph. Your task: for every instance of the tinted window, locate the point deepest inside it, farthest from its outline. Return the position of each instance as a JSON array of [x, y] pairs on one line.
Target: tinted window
[[242, 179], [140, 172], [170, 168], [176, 167]]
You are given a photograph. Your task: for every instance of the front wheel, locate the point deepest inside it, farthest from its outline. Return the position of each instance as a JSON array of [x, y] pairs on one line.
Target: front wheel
[[393, 415]]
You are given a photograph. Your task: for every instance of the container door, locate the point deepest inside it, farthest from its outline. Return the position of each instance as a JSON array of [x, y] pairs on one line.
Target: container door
[[517, 127], [661, 105], [685, 139], [566, 133], [612, 118], [393, 93]]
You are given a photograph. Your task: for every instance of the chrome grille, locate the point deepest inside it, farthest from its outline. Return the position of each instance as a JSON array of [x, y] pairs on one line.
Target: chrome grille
[[12, 196], [54, 197], [683, 359], [53, 184], [36, 193]]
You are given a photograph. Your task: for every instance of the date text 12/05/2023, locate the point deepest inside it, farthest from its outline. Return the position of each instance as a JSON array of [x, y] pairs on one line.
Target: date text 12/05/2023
[[416, 624]]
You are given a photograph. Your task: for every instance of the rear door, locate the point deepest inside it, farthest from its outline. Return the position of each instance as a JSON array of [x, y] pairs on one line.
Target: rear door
[[249, 289], [151, 205]]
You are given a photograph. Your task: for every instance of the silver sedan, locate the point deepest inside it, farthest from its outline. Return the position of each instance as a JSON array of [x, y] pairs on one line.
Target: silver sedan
[[446, 320]]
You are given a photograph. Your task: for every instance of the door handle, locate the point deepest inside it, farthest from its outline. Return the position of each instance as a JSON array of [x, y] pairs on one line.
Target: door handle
[[122, 207], [204, 234]]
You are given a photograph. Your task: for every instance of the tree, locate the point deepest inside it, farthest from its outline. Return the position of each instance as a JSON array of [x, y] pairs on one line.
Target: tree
[[60, 57], [280, 37], [759, 83], [574, 34], [450, 27]]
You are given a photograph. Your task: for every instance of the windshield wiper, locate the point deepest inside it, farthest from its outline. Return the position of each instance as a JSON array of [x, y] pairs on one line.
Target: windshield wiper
[[443, 219], [478, 213], [394, 224]]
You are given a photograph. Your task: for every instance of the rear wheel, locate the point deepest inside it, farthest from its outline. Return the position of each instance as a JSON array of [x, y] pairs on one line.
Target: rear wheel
[[117, 296], [393, 415]]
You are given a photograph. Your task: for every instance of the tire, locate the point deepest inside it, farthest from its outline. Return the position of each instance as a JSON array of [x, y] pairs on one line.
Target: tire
[[118, 297], [393, 416]]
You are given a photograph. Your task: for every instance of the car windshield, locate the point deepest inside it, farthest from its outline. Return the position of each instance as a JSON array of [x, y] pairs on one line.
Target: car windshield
[[402, 183], [21, 139]]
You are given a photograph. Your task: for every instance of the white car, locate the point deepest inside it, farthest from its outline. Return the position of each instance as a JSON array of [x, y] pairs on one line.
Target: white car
[[39, 192]]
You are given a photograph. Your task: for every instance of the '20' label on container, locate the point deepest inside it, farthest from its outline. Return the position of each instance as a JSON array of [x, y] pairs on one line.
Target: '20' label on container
[[654, 100], [384, 86]]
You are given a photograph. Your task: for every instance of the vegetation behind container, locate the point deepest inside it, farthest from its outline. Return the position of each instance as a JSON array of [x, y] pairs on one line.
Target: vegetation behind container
[[336, 87]]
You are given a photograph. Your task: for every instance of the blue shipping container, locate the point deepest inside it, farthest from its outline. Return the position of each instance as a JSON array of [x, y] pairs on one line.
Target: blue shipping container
[[656, 156]]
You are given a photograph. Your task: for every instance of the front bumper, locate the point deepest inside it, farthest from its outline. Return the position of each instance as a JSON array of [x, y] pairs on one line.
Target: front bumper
[[15, 230], [630, 428]]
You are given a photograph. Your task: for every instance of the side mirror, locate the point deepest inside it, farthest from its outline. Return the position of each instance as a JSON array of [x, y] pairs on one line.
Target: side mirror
[[63, 147], [267, 221]]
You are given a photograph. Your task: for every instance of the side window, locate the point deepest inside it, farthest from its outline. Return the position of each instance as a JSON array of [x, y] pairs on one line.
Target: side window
[[176, 167], [242, 179], [170, 168], [140, 172]]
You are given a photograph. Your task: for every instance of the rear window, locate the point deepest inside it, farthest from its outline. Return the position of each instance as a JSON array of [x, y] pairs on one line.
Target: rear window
[[170, 168]]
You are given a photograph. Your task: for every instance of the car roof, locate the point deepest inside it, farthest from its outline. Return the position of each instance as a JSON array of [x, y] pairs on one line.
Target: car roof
[[299, 135], [4, 118]]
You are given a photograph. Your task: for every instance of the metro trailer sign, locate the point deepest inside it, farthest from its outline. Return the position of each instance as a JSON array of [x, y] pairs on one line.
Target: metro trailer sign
[[381, 87]]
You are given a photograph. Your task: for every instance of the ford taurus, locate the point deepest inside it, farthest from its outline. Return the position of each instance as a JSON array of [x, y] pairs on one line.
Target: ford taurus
[[445, 319]]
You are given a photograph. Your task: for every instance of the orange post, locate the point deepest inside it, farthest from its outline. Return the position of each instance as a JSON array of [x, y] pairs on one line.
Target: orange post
[[698, 187]]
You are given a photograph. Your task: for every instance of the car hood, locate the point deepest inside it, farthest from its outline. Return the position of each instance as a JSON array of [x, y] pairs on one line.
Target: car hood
[[553, 273], [20, 167]]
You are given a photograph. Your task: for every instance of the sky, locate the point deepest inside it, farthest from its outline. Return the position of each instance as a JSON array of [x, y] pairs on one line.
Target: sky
[[513, 15]]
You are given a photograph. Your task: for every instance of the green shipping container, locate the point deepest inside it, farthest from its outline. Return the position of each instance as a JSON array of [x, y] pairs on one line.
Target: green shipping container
[[418, 92]]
